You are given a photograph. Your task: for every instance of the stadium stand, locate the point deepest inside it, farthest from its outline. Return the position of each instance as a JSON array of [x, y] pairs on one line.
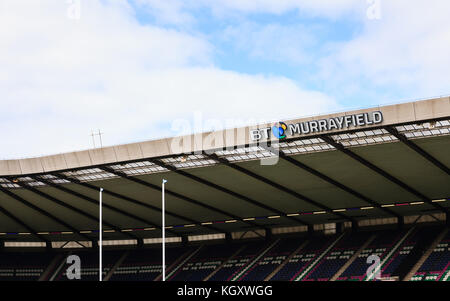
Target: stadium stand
[[338, 256], [437, 265], [146, 264], [90, 264], [23, 266], [232, 268], [205, 262], [409, 252], [273, 259], [302, 257], [383, 245], [301, 260]]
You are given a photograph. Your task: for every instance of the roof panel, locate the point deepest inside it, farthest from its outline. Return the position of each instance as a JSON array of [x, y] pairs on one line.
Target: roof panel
[[206, 194], [408, 166], [29, 216], [253, 188], [305, 183], [353, 174]]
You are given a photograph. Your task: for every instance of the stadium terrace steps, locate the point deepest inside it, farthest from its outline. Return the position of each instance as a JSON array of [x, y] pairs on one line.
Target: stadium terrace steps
[[246, 269], [337, 256], [61, 262], [90, 264], [382, 245], [411, 251], [116, 265], [288, 258], [204, 262], [425, 256], [310, 268], [223, 263], [232, 267], [300, 260], [146, 264], [176, 267], [388, 258], [305, 258], [353, 258], [51, 269], [176, 263], [437, 266]]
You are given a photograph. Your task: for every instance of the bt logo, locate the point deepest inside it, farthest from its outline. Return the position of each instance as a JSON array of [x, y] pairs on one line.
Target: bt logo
[[280, 132]]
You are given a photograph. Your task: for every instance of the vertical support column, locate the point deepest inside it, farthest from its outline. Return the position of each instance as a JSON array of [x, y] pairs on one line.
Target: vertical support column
[[163, 232], [228, 237], [310, 230], [339, 228], [268, 233], [100, 243], [401, 222], [94, 244], [355, 227]]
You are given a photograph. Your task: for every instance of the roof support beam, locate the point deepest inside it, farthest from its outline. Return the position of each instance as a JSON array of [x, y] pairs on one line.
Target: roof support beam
[[95, 202], [394, 132], [175, 194], [79, 211], [131, 200], [381, 172], [43, 212], [225, 190], [333, 182], [276, 185]]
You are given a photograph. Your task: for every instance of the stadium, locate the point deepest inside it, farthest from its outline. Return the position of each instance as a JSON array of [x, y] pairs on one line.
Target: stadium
[[352, 196]]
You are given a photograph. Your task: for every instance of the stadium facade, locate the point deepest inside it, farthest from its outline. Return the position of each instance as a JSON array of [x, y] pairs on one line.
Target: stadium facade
[[304, 199]]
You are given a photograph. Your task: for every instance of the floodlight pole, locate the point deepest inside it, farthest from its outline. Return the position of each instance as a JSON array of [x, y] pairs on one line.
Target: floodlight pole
[[163, 233], [100, 247]]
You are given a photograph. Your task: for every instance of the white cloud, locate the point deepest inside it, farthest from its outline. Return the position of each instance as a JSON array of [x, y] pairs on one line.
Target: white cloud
[[407, 49], [62, 78]]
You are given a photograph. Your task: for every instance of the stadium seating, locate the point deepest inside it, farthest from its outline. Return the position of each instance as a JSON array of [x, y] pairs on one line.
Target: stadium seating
[[381, 246], [23, 266], [337, 256], [273, 259], [292, 258], [413, 243], [205, 262], [234, 265], [90, 263], [437, 265], [146, 264], [302, 259]]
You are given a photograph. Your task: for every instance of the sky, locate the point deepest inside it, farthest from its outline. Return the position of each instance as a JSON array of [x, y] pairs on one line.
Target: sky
[[145, 69]]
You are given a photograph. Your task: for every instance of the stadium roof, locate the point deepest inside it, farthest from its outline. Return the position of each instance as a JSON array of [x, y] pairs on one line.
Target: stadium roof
[[389, 161]]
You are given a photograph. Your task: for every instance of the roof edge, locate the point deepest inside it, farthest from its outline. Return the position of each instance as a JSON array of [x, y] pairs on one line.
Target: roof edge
[[391, 114]]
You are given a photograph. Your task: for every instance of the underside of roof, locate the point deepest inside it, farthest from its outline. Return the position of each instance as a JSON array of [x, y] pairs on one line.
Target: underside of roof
[[385, 171]]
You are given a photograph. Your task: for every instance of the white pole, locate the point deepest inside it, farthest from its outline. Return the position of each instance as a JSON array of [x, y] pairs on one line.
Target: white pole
[[100, 273], [163, 234]]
